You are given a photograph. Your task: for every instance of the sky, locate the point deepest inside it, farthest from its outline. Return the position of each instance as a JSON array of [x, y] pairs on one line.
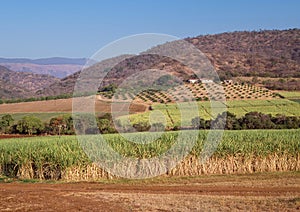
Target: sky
[[78, 28]]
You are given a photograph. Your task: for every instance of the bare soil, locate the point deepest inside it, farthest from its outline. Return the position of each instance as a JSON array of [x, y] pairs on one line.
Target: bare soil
[[62, 105], [267, 192]]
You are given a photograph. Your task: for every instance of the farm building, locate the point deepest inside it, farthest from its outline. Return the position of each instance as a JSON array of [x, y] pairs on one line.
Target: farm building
[[193, 81], [206, 81], [228, 81]]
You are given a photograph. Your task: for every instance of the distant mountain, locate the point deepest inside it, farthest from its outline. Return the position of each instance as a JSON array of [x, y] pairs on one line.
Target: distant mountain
[[66, 85], [22, 85], [46, 61], [56, 66], [268, 53]]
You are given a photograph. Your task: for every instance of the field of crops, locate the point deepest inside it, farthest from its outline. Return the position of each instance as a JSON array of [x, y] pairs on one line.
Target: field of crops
[[238, 152], [199, 91], [181, 113], [290, 94]]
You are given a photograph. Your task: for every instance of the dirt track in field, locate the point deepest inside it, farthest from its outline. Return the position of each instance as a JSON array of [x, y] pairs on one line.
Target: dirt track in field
[[62, 105], [268, 192]]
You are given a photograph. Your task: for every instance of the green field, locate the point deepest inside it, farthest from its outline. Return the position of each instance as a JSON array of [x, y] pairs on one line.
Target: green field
[[173, 116], [290, 94], [57, 154]]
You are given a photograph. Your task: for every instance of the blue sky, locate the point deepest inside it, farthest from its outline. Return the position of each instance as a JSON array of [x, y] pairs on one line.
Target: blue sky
[[70, 28]]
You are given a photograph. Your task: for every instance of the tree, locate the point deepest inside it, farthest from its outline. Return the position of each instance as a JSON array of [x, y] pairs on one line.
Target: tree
[[30, 125], [105, 123], [257, 120], [85, 123], [6, 122], [226, 120], [142, 126], [232, 123], [158, 127], [198, 123], [61, 125], [104, 126]]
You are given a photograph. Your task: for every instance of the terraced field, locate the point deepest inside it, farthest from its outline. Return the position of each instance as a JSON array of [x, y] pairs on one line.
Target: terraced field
[[198, 91]]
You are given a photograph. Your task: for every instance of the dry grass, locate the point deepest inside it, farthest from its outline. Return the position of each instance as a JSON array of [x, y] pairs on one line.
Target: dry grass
[[191, 166]]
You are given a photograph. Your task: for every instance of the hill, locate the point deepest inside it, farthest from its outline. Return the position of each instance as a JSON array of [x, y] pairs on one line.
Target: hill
[[9, 90], [21, 84], [268, 53], [56, 66]]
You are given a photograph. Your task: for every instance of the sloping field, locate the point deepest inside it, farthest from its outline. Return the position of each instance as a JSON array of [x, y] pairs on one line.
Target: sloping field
[[290, 94], [51, 108], [273, 107], [175, 114]]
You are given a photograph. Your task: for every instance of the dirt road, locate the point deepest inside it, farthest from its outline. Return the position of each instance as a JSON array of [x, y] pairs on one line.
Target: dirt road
[[271, 192]]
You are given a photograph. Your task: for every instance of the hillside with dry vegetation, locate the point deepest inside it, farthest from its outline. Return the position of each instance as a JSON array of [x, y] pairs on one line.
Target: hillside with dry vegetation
[[22, 84], [268, 53], [270, 58]]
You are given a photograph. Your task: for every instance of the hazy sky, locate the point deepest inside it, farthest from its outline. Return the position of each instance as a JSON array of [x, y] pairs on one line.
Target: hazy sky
[[70, 28]]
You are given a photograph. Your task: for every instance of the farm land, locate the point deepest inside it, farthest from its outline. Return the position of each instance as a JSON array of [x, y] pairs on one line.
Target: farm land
[[250, 170]]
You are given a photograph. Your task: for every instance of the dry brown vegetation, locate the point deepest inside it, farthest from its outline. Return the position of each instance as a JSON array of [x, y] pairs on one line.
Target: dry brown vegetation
[[273, 53], [22, 84], [191, 166], [266, 53]]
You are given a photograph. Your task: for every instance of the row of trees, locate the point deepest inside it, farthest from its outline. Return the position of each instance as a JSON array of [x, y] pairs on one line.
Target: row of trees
[[61, 125], [252, 120], [85, 123]]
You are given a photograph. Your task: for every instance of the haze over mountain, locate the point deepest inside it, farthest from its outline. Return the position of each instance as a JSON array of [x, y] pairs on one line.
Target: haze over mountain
[[57, 66]]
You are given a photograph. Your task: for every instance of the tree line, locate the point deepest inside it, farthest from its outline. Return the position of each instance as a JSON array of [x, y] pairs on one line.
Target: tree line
[[251, 120], [89, 124]]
